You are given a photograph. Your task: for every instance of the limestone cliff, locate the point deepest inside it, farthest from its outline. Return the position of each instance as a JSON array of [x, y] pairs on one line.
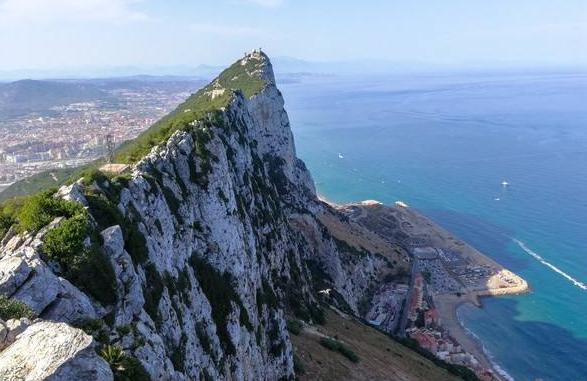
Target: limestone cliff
[[212, 240]]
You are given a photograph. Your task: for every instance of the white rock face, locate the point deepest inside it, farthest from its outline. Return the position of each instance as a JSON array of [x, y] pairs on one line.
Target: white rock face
[[227, 213], [130, 294], [72, 192], [52, 351], [26, 277]]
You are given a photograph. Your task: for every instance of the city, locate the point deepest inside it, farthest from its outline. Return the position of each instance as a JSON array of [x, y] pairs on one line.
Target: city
[[72, 134]]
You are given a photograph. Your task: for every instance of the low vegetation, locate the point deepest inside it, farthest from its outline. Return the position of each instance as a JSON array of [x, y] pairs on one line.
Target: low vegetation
[[34, 212], [337, 346], [299, 368], [6, 221], [199, 105], [37, 183], [81, 261], [106, 213], [87, 267], [11, 308], [50, 179], [196, 107], [243, 77], [153, 291], [295, 327], [124, 367]]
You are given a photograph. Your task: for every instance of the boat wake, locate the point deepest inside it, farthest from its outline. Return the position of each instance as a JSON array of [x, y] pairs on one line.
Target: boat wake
[[529, 251]]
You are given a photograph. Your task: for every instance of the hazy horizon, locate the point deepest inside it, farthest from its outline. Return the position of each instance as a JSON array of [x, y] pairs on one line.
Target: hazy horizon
[[66, 36], [284, 66]]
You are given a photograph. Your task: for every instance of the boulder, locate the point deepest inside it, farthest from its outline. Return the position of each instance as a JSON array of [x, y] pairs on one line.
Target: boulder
[[52, 352]]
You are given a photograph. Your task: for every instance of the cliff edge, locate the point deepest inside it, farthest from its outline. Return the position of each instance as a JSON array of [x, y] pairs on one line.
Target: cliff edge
[[199, 262]]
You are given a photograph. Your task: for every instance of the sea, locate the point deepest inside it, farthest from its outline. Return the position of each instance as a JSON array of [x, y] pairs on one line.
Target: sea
[[444, 143]]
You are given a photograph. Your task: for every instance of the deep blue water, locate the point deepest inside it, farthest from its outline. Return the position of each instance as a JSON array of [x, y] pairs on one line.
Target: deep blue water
[[444, 144]]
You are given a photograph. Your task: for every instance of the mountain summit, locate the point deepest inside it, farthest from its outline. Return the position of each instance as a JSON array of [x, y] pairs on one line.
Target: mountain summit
[[204, 261]]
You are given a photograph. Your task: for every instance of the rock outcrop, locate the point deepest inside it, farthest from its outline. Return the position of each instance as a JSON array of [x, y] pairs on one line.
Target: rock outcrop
[[47, 350], [218, 237]]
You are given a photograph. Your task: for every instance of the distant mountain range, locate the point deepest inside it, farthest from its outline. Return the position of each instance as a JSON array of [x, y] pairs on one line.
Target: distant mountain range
[[284, 66], [26, 96], [35, 96]]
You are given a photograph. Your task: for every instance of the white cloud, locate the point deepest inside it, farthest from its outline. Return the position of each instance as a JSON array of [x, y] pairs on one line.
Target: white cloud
[[20, 11], [266, 3], [230, 31]]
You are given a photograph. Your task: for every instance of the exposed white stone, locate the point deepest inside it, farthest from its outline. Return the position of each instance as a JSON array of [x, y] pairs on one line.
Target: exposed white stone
[[70, 305], [72, 192], [14, 271], [128, 286], [55, 352], [15, 327], [26, 277]]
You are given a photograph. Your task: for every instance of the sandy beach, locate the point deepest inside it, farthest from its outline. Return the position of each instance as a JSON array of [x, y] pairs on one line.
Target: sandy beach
[[447, 306]]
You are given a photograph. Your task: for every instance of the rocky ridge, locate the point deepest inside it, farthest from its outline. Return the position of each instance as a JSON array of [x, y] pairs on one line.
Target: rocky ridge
[[212, 241]]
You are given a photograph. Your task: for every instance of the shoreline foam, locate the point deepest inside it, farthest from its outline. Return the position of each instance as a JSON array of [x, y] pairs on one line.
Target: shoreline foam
[[486, 351]]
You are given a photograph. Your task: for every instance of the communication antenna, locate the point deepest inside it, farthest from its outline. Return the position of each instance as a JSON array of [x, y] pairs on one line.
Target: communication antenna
[[110, 148]]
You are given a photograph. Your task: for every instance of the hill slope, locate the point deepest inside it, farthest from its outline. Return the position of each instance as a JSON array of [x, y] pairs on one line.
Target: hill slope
[[194, 265], [22, 97]]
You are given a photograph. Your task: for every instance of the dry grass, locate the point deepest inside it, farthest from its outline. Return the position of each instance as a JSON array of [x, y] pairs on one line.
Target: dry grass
[[380, 358], [361, 238]]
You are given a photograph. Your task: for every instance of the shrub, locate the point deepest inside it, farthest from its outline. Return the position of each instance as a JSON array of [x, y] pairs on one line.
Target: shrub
[[124, 330], [203, 337], [91, 175], [177, 355], [93, 273], [275, 340], [66, 240], [14, 309], [88, 325], [6, 221], [107, 214], [294, 326], [337, 346], [124, 367], [275, 172], [298, 365], [317, 314], [40, 209], [87, 268], [427, 276]]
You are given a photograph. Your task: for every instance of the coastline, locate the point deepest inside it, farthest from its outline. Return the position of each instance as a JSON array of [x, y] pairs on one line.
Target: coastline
[[447, 307], [448, 304], [498, 281]]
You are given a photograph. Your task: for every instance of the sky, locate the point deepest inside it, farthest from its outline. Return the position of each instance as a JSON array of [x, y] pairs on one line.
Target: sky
[[58, 34]]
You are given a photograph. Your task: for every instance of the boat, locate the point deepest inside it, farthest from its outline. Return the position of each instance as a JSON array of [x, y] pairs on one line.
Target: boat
[[340, 156], [505, 183]]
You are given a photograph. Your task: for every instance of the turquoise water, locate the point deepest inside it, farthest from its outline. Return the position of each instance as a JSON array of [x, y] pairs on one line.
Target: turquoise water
[[444, 144]]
